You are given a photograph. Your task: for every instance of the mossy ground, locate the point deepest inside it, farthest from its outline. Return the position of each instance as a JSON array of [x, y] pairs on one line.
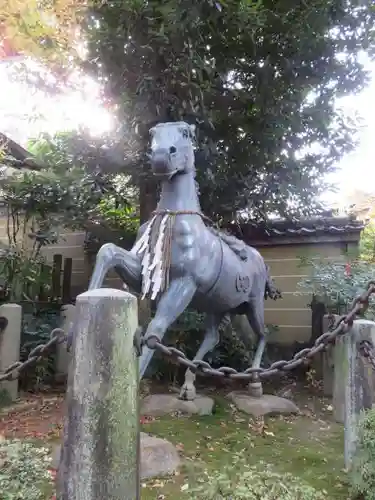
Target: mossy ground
[[306, 446], [309, 446]]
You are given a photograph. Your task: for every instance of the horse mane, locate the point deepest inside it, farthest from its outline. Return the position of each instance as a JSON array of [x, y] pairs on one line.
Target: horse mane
[[238, 246]]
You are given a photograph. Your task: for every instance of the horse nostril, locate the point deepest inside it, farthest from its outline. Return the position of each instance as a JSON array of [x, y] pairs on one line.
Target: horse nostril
[[172, 150]]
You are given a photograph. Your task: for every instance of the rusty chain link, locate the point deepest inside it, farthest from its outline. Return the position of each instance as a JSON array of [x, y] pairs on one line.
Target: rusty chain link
[[340, 327], [12, 372]]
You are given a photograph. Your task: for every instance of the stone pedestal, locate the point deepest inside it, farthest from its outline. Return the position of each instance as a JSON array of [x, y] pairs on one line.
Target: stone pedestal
[[157, 405], [265, 405]]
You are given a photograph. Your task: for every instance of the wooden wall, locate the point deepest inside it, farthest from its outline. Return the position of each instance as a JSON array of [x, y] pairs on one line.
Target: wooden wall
[[292, 313]]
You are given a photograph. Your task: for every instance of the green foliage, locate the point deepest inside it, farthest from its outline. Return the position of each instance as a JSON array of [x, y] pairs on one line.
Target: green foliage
[[337, 283], [367, 243], [24, 471], [23, 274], [240, 481], [259, 79], [88, 195], [363, 466], [29, 228]]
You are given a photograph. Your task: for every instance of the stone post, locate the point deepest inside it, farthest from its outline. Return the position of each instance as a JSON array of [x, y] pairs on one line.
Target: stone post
[[63, 357], [100, 453], [10, 340], [358, 380], [328, 362]]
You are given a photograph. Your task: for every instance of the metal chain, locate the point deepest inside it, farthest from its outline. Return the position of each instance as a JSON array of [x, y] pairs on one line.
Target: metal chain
[[13, 371], [340, 327]]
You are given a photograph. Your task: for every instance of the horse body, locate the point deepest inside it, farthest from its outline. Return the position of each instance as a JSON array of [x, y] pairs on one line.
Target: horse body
[[180, 262], [225, 282]]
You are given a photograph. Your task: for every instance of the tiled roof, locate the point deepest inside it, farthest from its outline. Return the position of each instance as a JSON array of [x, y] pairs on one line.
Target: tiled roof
[[314, 226]]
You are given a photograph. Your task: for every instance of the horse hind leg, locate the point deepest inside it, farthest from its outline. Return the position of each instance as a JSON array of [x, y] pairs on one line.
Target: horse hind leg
[[255, 315], [210, 341]]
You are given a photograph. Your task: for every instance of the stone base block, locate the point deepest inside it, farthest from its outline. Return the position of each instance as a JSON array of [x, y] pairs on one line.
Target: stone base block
[[157, 405], [158, 457], [265, 405]]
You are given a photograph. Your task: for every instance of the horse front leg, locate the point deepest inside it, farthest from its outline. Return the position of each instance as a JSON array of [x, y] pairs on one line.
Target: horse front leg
[[210, 341], [171, 305], [126, 264]]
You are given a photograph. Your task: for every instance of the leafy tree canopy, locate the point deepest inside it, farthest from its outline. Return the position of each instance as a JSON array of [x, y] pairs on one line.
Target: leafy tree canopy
[[259, 78]]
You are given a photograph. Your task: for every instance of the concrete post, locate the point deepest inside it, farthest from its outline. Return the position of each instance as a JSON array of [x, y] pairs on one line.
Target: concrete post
[[100, 453], [63, 357], [10, 340], [358, 380]]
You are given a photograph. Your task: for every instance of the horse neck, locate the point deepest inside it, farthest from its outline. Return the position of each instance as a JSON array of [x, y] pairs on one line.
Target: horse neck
[[180, 194]]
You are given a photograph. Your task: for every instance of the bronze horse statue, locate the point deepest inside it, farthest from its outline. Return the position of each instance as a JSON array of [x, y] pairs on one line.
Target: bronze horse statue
[[179, 261]]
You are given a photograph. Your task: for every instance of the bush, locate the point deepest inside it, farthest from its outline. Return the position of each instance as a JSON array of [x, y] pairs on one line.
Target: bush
[[363, 468], [24, 471], [242, 482], [338, 283]]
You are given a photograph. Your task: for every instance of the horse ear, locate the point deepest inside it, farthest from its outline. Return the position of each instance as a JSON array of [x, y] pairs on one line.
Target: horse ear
[[192, 130]]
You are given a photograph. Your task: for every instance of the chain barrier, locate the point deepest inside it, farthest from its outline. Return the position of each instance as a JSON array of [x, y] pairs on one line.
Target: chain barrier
[[340, 327], [13, 371]]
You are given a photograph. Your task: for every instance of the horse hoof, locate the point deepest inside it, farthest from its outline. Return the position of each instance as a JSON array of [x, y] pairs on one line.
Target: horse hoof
[[187, 394], [255, 389]]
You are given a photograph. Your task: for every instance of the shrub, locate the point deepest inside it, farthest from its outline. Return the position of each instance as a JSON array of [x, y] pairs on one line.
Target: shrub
[[363, 468], [337, 283], [24, 471], [242, 482]]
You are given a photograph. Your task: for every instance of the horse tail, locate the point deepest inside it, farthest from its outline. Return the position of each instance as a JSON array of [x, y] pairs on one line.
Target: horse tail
[[271, 291]]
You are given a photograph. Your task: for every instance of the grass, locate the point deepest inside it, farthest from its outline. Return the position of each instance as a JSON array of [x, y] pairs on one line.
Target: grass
[[309, 446], [305, 447]]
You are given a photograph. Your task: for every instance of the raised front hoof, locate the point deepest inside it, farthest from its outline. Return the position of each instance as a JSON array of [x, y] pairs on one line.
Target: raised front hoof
[[255, 389], [187, 393]]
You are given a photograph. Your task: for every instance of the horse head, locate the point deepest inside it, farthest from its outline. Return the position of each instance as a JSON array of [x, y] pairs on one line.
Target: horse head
[[172, 149]]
